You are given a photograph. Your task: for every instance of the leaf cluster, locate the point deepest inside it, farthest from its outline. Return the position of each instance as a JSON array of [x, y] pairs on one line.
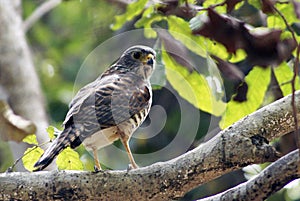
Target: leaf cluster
[[68, 159], [249, 43]]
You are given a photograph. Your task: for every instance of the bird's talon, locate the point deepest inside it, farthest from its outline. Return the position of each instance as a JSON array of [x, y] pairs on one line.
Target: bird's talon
[[96, 169], [129, 167]]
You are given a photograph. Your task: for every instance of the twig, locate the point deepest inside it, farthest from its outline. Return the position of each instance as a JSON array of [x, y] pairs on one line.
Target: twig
[[39, 12], [10, 169], [293, 81]]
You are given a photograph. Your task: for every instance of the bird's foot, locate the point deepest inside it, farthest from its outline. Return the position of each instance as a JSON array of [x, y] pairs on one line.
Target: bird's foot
[[97, 169], [131, 167]]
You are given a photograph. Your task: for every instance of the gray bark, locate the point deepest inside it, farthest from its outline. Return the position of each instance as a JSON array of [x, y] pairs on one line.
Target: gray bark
[[244, 143], [266, 183], [17, 74]]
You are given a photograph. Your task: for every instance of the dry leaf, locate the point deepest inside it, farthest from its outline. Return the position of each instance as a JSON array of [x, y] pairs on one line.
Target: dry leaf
[[229, 70], [231, 4], [13, 127], [176, 49], [263, 49]]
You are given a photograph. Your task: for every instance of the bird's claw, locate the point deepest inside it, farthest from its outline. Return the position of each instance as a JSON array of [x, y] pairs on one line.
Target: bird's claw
[[131, 167], [96, 169]]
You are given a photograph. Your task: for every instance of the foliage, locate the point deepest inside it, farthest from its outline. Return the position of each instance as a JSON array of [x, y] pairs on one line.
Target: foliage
[[68, 159], [258, 78], [212, 29], [191, 86]]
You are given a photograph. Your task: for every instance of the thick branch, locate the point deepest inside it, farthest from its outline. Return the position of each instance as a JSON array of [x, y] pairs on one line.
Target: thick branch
[[269, 181], [242, 144]]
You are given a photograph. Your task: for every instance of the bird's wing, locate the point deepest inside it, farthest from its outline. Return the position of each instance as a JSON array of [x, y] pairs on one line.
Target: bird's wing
[[107, 102]]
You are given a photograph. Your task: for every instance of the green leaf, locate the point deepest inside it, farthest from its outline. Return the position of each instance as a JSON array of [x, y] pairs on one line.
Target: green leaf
[[31, 155], [192, 86], [30, 139], [51, 131], [258, 81], [219, 9], [181, 31], [255, 3], [148, 18], [284, 75], [287, 10], [238, 56], [132, 10], [204, 44], [69, 159], [147, 22]]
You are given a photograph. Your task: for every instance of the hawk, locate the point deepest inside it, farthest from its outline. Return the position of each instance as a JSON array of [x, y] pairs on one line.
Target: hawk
[[110, 108]]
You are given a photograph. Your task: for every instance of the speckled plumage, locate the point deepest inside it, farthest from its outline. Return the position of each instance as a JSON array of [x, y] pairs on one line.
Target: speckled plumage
[[110, 108]]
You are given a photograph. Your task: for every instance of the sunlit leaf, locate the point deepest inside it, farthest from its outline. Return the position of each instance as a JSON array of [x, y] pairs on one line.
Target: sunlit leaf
[[220, 9], [181, 31], [192, 86], [69, 159], [30, 139], [232, 4], [284, 75], [132, 10], [258, 81], [263, 48], [31, 155], [52, 132], [287, 10], [148, 18], [239, 55], [255, 3], [212, 46]]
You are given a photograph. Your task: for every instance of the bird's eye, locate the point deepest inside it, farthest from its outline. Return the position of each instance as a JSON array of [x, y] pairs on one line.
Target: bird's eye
[[136, 55]]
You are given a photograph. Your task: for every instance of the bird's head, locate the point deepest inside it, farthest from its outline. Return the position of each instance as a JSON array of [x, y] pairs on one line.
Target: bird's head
[[139, 59]]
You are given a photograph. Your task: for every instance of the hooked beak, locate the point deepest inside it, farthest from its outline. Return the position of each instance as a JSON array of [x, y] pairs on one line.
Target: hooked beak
[[148, 59]]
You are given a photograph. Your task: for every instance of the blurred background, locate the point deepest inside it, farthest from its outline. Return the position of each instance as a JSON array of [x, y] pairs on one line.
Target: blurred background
[[64, 43]]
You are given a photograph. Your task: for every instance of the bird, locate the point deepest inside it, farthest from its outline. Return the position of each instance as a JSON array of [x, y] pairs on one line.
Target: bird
[[110, 108]]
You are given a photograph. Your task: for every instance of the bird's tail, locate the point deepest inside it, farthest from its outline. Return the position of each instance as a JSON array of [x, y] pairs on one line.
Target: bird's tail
[[59, 144]]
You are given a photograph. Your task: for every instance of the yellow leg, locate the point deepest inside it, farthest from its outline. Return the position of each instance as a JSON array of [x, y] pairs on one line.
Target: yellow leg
[[125, 142], [97, 164]]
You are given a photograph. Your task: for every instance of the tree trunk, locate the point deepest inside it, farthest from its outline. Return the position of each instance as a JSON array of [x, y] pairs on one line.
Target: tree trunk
[[18, 78]]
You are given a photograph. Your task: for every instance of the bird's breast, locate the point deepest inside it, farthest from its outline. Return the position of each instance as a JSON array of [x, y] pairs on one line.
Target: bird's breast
[[107, 136]]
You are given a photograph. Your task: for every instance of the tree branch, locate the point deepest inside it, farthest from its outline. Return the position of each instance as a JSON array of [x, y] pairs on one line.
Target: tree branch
[[243, 143], [39, 12], [272, 179], [295, 75]]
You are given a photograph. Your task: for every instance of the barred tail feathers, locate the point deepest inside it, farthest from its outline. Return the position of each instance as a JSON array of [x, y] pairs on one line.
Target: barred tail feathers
[[59, 144]]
